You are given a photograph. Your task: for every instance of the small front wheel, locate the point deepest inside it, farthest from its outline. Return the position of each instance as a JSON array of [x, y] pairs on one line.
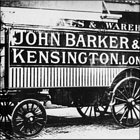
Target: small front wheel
[[28, 118], [126, 102]]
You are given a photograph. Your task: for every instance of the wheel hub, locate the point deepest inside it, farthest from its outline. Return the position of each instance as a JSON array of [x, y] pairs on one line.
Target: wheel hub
[[131, 103], [30, 117]]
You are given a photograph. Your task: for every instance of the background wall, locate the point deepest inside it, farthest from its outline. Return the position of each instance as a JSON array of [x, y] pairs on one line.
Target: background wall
[[95, 6]]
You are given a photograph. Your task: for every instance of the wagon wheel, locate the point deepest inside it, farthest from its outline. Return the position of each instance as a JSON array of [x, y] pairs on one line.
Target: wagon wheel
[[91, 111], [28, 118], [6, 108], [126, 102]]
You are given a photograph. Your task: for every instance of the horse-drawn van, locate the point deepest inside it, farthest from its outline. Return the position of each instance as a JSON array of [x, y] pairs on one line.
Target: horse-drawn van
[[92, 58]]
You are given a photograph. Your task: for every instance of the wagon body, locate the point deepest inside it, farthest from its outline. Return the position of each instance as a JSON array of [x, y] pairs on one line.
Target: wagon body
[[68, 65], [68, 52], [88, 59]]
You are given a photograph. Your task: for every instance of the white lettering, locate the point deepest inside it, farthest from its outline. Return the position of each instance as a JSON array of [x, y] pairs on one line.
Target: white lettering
[[56, 39], [123, 60], [31, 55], [55, 56], [91, 39], [45, 38], [45, 57], [14, 39], [102, 41], [137, 60], [80, 58], [17, 55], [114, 58], [81, 40], [92, 61], [123, 27], [131, 60], [113, 42], [109, 25], [31, 36], [72, 57], [124, 42], [70, 39], [104, 58]]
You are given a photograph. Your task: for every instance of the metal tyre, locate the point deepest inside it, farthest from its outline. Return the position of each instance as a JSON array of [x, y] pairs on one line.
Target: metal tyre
[[28, 118], [126, 102]]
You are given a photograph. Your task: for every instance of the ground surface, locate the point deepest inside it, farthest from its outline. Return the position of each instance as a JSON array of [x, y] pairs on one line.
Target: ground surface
[[66, 123]]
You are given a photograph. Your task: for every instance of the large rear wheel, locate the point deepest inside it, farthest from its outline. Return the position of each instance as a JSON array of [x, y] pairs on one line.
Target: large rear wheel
[[126, 102]]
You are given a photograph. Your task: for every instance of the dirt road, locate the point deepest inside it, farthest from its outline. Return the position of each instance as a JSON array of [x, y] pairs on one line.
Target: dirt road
[[66, 123]]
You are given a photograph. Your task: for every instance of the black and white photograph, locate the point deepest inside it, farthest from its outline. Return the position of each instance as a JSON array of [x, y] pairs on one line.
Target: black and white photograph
[[69, 69]]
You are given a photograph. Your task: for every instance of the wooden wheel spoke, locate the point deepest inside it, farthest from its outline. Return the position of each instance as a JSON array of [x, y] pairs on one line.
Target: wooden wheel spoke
[[136, 94], [129, 89], [137, 108], [8, 116], [81, 107], [20, 112], [23, 109], [38, 124], [94, 111], [136, 114], [38, 113], [22, 127], [122, 94], [120, 99], [120, 110], [90, 111], [138, 97], [126, 110], [137, 100], [37, 110], [120, 104], [19, 123], [39, 119], [8, 103], [133, 92], [131, 112], [127, 117], [86, 110], [2, 118], [125, 89], [27, 107], [32, 106]]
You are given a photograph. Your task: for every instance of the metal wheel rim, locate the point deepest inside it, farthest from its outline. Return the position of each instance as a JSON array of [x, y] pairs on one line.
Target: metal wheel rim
[[28, 118], [126, 107]]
